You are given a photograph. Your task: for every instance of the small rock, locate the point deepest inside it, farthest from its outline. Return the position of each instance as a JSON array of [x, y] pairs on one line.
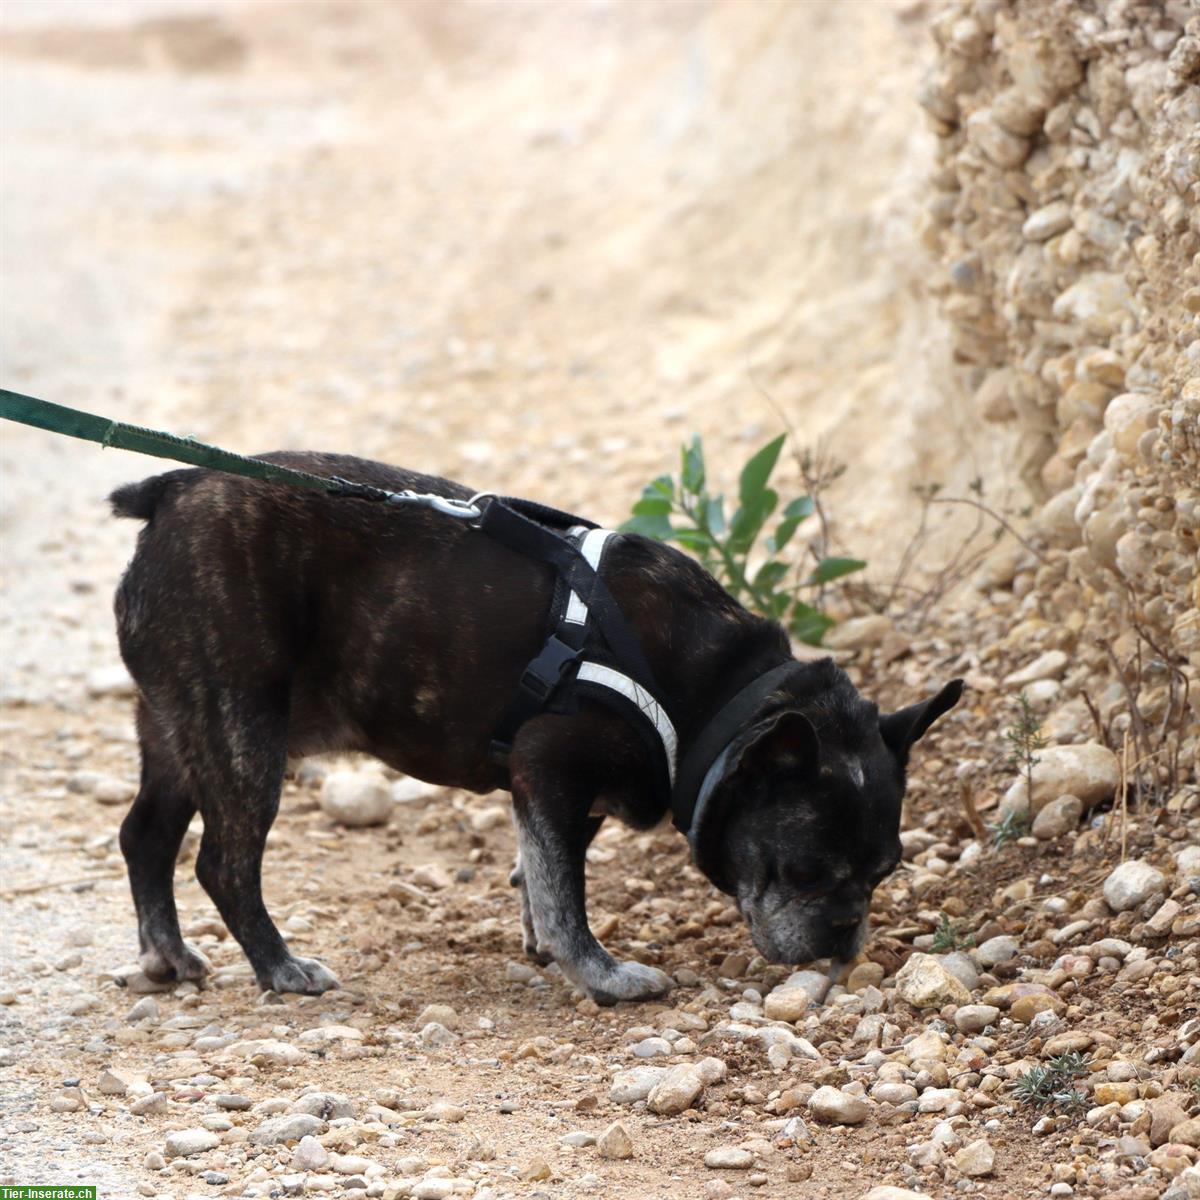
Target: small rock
[[1045, 222], [443, 1014], [1089, 771], [289, 1128], [187, 1142], [537, 1170], [976, 1158], [858, 633], [787, 1004], [1115, 1093], [109, 681], [1166, 1113], [309, 1155], [146, 1009], [677, 1091], [578, 1138], [1049, 665], [924, 983], [633, 1085], [111, 790], [997, 950], [974, 1018], [835, 1107], [615, 1142], [1132, 884], [1025, 1008], [113, 1083], [729, 1158], [1058, 818], [356, 798]]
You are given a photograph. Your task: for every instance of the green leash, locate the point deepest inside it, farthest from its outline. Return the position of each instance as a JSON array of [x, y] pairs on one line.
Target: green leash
[[57, 418]]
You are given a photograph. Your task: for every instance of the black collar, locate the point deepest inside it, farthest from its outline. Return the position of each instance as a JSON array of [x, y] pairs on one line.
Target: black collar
[[692, 783]]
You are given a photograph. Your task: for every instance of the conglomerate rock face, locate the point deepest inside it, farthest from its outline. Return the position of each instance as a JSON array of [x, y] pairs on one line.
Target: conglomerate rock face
[[1065, 216]]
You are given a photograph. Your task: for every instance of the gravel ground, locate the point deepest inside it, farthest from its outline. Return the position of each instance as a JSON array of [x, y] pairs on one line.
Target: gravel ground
[[244, 226]]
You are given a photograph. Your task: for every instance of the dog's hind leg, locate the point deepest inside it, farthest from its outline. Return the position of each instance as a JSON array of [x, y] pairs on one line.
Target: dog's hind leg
[[150, 838], [246, 753]]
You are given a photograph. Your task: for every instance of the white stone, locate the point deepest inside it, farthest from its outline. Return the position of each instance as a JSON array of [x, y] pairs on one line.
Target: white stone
[[835, 1107], [1045, 222], [110, 681], [997, 950], [1131, 884], [1049, 665], [974, 1018], [1089, 771], [187, 1142], [924, 982], [1059, 817], [1128, 416], [633, 1085], [677, 1091], [976, 1158], [729, 1158], [615, 1142], [356, 798], [309, 1155]]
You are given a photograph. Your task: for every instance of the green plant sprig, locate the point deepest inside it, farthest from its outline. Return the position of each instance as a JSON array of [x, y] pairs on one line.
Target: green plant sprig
[[724, 545]]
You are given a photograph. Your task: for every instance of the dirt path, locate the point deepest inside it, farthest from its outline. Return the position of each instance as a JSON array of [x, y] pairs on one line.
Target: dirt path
[[534, 247]]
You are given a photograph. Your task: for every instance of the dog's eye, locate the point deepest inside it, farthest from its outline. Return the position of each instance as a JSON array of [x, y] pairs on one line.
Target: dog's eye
[[804, 879]]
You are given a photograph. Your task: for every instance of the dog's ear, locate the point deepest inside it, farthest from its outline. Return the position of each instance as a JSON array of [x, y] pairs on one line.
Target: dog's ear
[[786, 742], [900, 729]]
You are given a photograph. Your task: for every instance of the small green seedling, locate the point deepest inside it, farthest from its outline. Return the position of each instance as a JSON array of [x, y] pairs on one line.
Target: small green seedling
[[947, 939], [1053, 1085], [1010, 827]]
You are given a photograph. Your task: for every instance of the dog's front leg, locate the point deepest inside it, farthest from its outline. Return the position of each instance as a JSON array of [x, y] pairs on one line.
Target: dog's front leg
[[553, 832]]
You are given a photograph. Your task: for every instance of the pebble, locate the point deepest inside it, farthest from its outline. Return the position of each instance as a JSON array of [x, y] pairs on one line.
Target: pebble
[[442, 1014], [997, 950], [835, 1107], [578, 1138], [924, 982], [356, 798], [615, 1142], [309, 1155], [974, 1018], [976, 1158], [187, 1142], [146, 1009], [1059, 817], [290, 1128], [1132, 884], [635, 1084], [677, 1091], [729, 1158], [651, 1047]]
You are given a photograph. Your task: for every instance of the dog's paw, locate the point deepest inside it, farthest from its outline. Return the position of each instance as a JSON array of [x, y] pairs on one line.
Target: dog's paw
[[630, 981], [174, 964], [303, 975], [536, 953]]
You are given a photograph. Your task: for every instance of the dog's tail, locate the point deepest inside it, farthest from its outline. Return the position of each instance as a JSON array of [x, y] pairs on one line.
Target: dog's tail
[[139, 500]]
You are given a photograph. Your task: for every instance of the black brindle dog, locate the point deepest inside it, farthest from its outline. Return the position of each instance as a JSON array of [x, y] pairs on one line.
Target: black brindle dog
[[262, 623]]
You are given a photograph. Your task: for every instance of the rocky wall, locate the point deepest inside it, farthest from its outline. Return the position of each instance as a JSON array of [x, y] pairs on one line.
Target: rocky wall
[[1065, 220]]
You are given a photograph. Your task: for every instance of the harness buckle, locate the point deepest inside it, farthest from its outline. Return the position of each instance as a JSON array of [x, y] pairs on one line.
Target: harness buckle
[[545, 673]]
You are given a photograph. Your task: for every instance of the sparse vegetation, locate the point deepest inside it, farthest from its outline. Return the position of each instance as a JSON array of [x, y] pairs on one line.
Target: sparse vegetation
[[1053, 1085], [1025, 738], [684, 511], [947, 939], [1011, 826]]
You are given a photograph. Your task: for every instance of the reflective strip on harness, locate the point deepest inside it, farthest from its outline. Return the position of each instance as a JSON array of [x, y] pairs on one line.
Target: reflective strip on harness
[[592, 548], [590, 672]]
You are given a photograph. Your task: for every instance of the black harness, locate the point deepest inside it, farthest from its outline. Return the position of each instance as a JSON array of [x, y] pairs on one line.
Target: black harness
[[592, 652]]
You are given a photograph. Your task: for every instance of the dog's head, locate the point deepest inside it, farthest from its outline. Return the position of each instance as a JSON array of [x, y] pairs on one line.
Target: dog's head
[[804, 821]]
